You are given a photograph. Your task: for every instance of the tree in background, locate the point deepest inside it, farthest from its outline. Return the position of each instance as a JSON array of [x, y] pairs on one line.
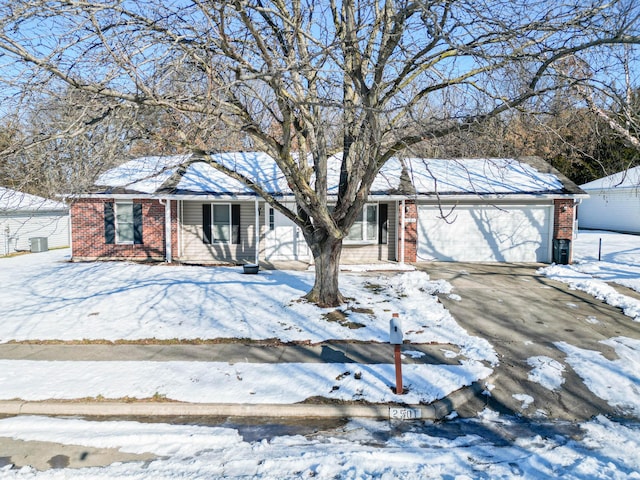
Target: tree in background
[[59, 144], [305, 79]]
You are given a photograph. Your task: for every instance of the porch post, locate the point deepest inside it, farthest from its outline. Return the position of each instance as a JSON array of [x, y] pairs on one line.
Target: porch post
[[167, 230], [402, 232], [257, 228]]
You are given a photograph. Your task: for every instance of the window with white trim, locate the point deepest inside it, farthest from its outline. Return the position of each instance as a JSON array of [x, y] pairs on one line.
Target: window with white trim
[[221, 223], [365, 228], [124, 222]]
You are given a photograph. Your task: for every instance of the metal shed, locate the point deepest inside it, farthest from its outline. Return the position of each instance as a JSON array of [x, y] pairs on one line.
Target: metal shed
[[25, 217]]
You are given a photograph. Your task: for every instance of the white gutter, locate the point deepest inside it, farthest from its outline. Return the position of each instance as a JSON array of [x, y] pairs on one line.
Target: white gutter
[[442, 198], [167, 228], [70, 233]]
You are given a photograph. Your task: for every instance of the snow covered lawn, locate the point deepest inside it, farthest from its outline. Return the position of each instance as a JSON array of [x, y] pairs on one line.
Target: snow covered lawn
[[619, 264], [44, 297], [216, 382]]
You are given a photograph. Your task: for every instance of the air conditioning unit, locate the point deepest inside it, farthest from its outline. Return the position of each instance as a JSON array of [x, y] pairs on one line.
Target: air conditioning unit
[[39, 244]]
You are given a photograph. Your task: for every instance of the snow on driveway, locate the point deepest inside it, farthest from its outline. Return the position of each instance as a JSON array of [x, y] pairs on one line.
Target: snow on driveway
[[602, 260]]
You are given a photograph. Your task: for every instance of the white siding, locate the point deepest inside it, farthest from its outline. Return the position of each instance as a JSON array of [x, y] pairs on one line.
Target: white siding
[[354, 254], [192, 247], [16, 230], [611, 209]]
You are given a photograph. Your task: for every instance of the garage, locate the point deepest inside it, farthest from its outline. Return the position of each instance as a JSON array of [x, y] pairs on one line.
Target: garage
[[489, 233]]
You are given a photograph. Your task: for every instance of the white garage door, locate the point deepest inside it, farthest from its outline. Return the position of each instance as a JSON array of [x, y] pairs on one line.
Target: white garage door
[[486, 234]]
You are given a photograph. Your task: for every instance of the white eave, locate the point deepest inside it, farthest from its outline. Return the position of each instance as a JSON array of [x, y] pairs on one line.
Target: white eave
[[444, 198]]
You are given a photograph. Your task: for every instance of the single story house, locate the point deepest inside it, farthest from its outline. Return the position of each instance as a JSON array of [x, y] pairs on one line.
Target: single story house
[[24, 217], [613, 203], [179, 208]]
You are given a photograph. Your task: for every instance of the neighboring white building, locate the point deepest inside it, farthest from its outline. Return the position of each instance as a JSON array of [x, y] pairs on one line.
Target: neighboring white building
[[613, 203], [24, 216]]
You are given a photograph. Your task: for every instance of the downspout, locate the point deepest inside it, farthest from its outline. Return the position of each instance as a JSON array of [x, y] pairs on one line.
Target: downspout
[[257, 231], [576, 226], [402, 232], [180, 215], [167, 228], [7, 231], [70, 233]]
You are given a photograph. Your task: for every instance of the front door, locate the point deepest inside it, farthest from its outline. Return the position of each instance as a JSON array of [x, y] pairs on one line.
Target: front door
[[284, 240]]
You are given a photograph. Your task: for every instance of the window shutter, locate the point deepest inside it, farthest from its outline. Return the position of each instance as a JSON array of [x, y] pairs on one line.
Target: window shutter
[[235, 224], [137, 223], [206, 223], [109, 224], [383, 224]]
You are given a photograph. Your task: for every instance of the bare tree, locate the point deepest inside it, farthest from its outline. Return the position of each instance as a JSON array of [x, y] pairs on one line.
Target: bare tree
[[613, 99], [306, 78], [61, 143]]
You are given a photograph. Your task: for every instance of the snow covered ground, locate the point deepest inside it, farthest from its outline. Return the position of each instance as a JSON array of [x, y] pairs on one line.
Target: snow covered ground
[[217, 382], [619, 263], [43, 297], [489, 447]]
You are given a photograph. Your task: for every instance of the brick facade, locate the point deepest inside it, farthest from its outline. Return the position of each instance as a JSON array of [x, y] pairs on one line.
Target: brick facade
[[88, 232], [410, 230], [563, 219], [563, 225]]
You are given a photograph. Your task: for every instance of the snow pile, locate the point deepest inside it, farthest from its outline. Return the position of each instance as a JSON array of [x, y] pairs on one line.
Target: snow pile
[[616, 381], [546, 371], [620, 264], [524, 398], [597, 288], [131, 437]]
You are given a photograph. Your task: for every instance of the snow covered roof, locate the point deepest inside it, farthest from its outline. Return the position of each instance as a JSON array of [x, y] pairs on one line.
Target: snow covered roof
[[190, 175], [468, 176], [145, 175], [626, 179], [14, 201]]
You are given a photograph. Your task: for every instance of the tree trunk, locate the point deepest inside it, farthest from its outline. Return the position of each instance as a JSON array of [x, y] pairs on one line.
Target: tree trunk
[[326, 256]]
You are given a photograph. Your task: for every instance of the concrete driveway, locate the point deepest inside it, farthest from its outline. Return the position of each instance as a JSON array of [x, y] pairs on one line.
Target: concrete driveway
[[522, 314]]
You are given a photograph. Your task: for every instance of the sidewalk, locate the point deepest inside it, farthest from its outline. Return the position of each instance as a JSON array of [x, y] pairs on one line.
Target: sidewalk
[[254, 352], [329, 354]]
